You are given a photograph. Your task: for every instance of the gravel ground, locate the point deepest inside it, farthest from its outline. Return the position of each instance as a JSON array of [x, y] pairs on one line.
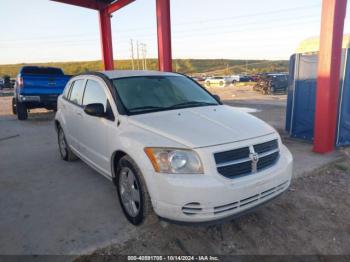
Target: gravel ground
[[311, 218]]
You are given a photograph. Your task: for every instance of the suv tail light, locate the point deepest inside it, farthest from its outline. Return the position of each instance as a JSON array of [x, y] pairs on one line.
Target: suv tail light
[[20, 82]]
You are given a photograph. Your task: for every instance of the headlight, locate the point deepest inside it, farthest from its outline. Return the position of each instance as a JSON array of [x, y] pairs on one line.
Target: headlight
[[174, 161]]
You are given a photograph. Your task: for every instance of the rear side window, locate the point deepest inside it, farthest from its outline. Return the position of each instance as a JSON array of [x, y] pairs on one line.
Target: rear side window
[[94, 94], [41, 70], [76, 93], [67, 89]]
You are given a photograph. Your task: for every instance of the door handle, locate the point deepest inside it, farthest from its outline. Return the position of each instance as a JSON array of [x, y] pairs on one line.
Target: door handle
[[79, 114]]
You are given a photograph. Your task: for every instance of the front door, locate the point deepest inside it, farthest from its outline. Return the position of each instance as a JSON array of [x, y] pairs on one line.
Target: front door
[[95, 130]]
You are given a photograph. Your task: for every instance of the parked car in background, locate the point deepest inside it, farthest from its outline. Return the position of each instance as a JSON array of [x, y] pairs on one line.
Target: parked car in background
[[13, 82], [217, 80], [37, 87], [2, 83], [198, 78], [240, 78], [170, 146], [272, 83], [254, 78]]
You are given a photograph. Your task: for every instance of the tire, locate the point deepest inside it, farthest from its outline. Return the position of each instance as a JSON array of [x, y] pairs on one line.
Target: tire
[[14, 109], [22, 111], [65, 152], [207, 83], [132, 192], [221, 83]]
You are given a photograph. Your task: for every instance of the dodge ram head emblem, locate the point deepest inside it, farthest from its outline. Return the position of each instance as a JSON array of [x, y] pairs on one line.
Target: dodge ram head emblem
[[254, 157]]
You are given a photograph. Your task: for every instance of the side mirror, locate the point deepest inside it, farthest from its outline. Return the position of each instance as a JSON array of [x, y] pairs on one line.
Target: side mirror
[[217, 98], [97, 110]]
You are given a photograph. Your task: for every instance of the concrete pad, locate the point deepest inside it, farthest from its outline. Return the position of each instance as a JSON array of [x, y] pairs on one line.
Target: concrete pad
[[48, 206]]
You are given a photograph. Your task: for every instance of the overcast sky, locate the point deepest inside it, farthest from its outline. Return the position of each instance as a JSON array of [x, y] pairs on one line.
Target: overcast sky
[[42, 31]]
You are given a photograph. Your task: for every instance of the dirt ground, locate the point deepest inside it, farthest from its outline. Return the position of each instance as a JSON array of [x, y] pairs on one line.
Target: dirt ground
[[311, 218]]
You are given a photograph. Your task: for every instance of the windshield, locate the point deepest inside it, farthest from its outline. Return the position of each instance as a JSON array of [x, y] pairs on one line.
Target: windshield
[[157, 93]]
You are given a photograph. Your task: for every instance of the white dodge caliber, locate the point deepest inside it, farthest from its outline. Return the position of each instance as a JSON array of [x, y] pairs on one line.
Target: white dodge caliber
[[170, 146]]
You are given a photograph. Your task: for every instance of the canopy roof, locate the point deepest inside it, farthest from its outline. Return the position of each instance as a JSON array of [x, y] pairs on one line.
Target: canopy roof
[[312, 44], [93, 4]]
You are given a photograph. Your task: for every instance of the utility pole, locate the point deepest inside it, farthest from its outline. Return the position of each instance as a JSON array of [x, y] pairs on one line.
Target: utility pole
[[138, 56], [132, 54], [144, 55]]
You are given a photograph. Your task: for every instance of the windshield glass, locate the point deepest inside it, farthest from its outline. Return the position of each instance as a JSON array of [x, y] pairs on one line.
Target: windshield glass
[[157, 93]]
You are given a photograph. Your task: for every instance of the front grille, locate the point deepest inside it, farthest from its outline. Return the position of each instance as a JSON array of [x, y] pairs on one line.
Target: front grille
[[267, 146], [192, 208], [196, 209], [268, 160], [239, 169], [252, 199], [247, 160], [231, 155]]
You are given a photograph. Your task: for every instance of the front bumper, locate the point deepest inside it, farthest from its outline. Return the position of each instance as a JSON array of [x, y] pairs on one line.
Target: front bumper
[[205, 198]]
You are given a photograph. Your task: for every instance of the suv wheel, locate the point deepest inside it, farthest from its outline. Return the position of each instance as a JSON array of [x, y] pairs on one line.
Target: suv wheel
[[65, 152], [14, 111], [132, 192], [21, 110]]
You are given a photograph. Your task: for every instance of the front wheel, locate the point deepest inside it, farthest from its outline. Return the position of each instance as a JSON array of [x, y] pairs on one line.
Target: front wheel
[[132, 192]]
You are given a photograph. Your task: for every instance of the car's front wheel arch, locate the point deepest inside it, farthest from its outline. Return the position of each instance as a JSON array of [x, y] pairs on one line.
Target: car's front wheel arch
[[123, 161], [116, 156]]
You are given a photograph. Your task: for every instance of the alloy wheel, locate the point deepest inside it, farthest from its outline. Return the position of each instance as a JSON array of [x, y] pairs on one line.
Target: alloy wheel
[[129, 192]]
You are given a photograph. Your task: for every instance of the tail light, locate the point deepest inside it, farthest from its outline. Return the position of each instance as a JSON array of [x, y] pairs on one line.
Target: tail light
[[20, 82]]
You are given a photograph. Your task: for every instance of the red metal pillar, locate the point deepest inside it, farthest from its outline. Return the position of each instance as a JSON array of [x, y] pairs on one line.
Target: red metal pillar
[[332, 26], [164, 35], [106, 39]]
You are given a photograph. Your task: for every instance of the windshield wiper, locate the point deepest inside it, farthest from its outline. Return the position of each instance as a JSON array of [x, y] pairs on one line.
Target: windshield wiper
[[193, 103], [184, 104], [146, 108]]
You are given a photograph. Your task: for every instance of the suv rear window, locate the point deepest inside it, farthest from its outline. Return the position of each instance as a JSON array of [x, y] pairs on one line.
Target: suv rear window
[[41, 70]]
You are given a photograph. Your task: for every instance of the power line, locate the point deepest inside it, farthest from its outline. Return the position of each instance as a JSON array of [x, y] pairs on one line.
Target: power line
[[174, 25]]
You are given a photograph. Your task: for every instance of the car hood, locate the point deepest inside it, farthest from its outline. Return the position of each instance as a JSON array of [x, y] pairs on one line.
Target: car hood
[[203, 126]]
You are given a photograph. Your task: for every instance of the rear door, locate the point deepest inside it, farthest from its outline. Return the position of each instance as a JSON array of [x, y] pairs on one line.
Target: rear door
[[74, 113]]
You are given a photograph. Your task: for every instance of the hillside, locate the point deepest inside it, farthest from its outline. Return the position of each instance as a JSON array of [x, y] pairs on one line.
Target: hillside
[[188, 66]]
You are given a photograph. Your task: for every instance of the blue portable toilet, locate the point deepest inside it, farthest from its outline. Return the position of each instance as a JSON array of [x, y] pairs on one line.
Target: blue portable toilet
[[301, 100]]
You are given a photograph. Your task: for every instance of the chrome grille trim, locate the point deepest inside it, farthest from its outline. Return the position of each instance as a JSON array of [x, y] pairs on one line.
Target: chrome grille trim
[[267, 152]]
